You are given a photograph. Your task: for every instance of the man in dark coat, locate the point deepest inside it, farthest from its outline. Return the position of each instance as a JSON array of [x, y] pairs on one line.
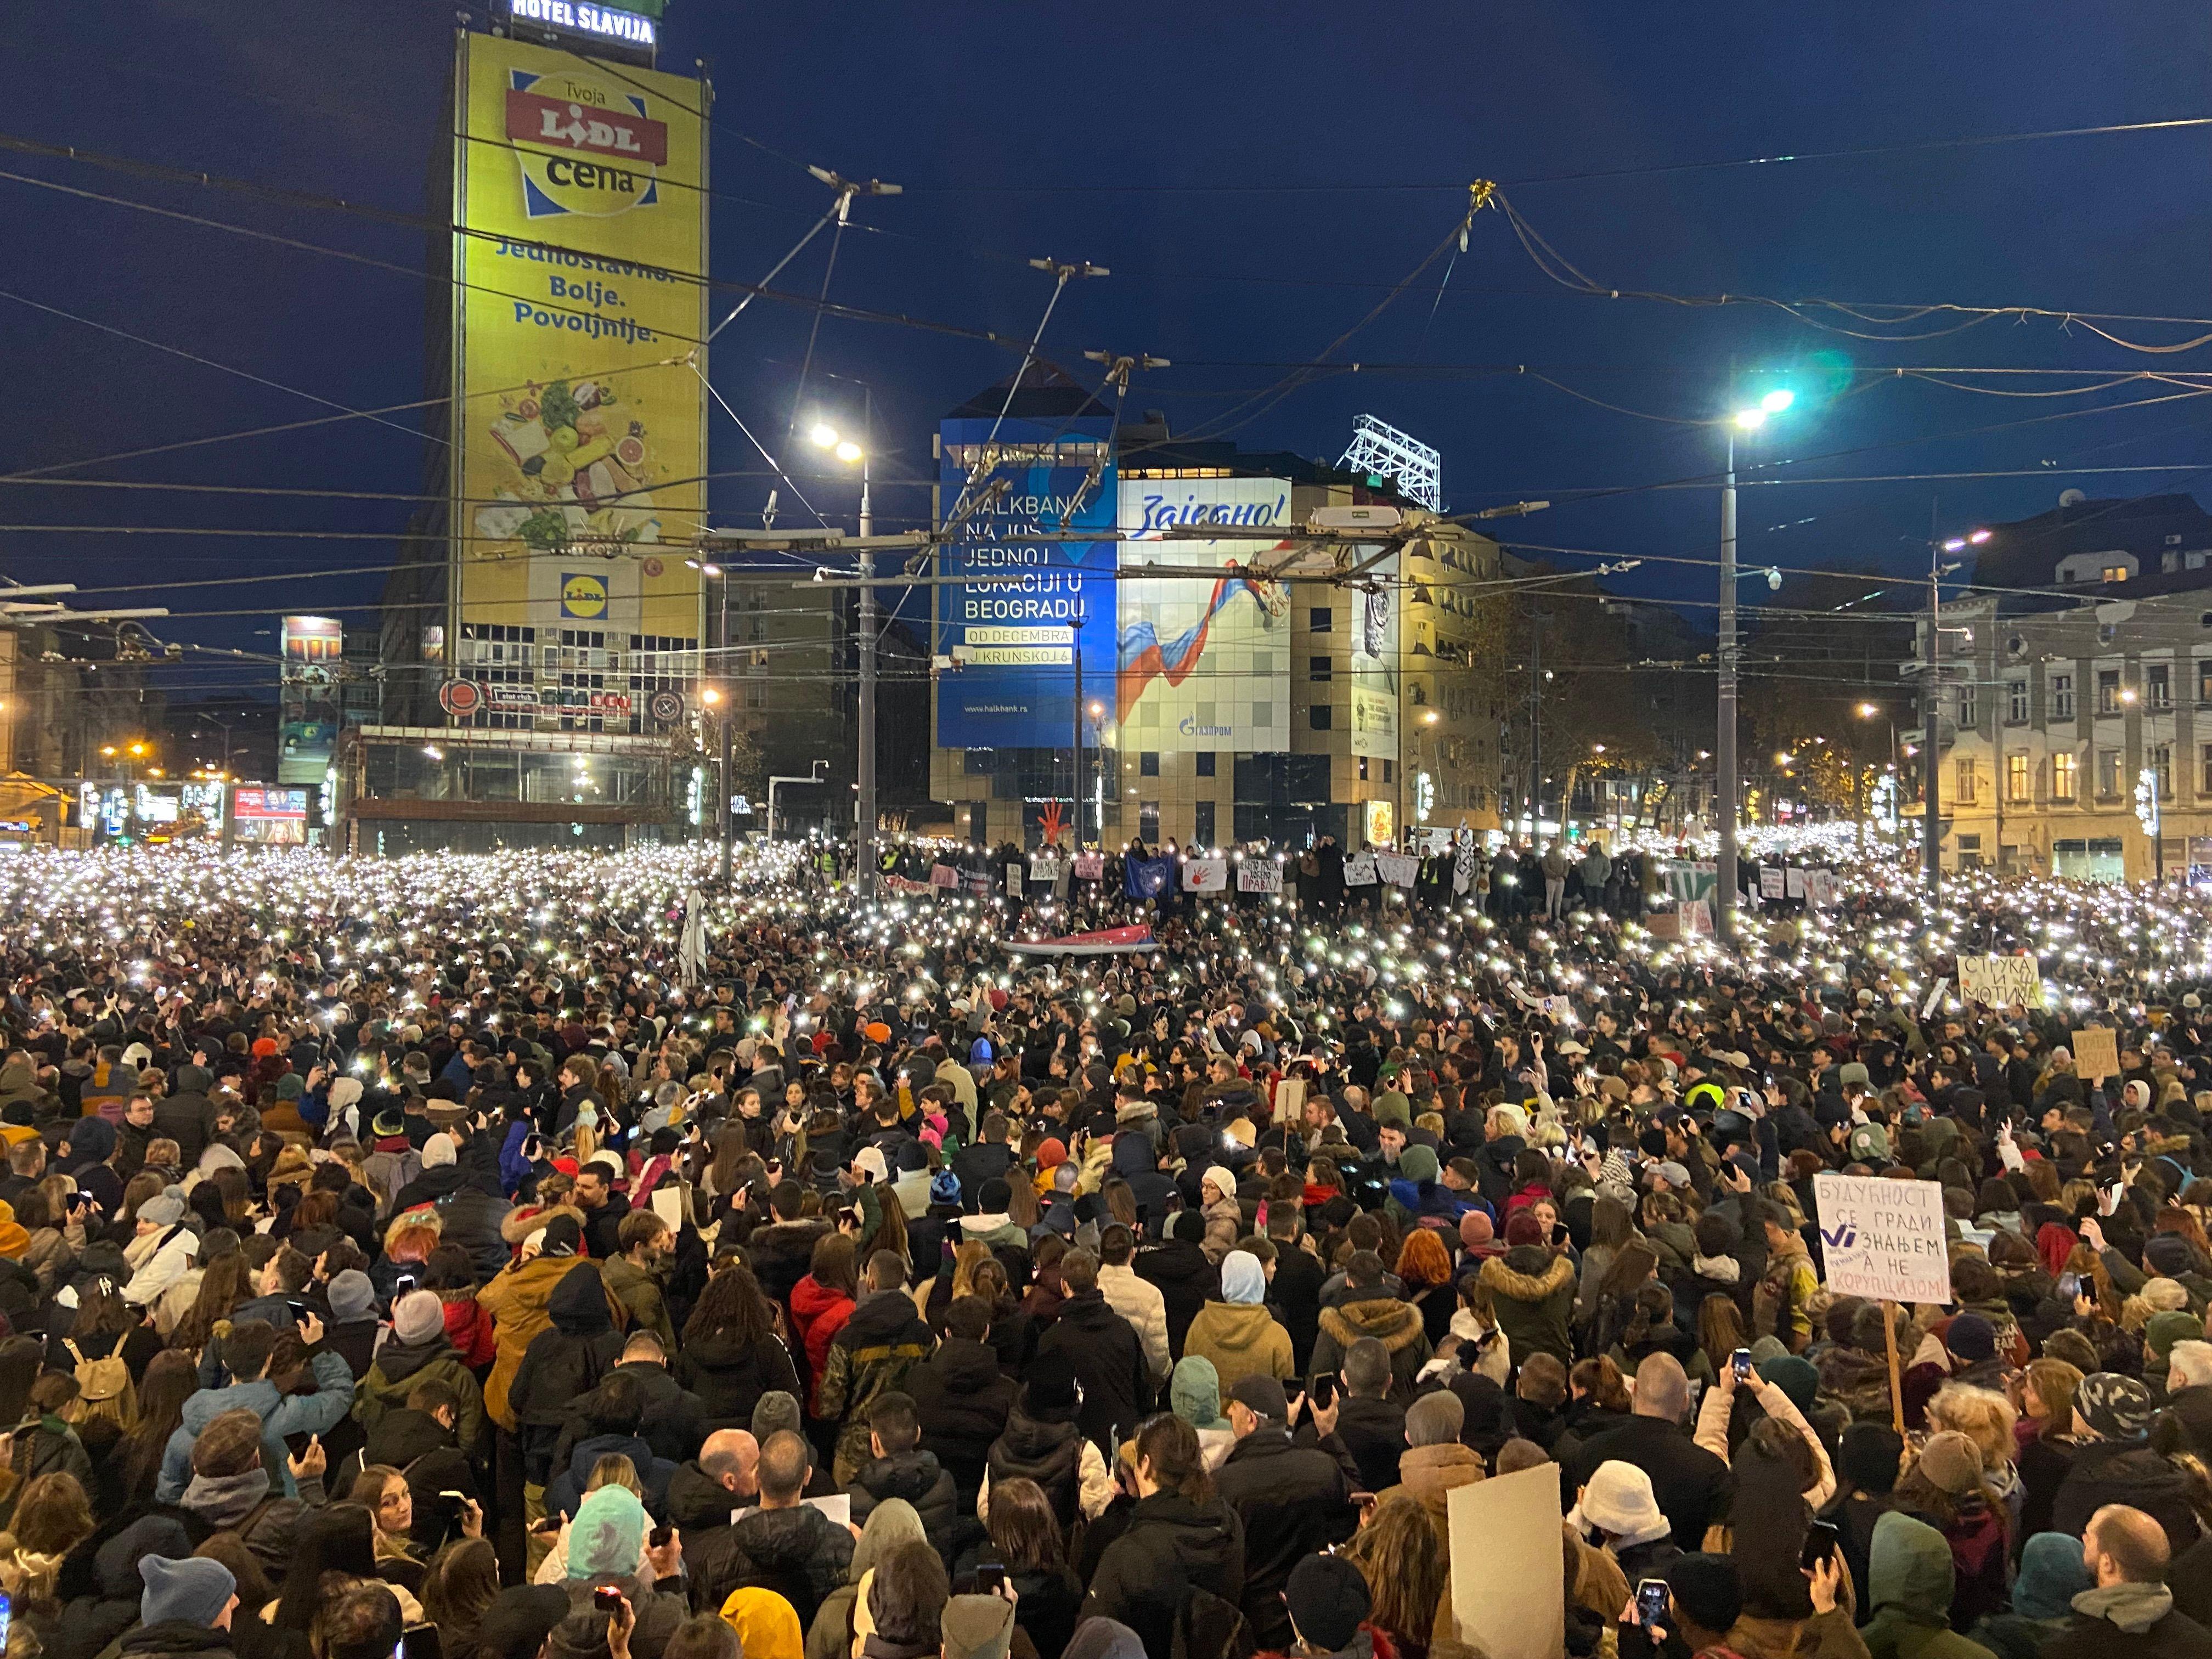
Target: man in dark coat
[[784, 1545], [1690, 1484], [702, 1495], [988, 1158], [900, 1468], [188, 1116], [2131, 1613], [1294, 1499], [1104, 1348], [960, 1397], [1186, 1280], [562, 1363]]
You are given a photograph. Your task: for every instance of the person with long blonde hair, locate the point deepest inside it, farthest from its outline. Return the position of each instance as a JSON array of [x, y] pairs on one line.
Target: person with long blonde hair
[[1406, 1570]]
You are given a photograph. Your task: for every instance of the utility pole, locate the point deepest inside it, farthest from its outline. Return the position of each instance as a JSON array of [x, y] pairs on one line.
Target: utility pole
[[1931, 710], [1075, 748], [1724, 761], [864, 840]]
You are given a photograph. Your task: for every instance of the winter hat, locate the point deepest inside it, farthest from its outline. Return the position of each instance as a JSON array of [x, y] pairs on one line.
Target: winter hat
[[352, 1296], [2051, 1575], [194, 1590], [607, 1534], [994, 1195], [944, 1188], [561, 1236], [1952, 1462], [2117, 1407], [417, 1317], [2166, 1329], [1243, 1281], [1194, 1393], [1868, 1456], [1523, 1228], [1617, 1499], [1391, 1107], [2169, 1254], [1098, 1637], [1262, 1395], [165, 1209], [765, 1624], [913, 1157], [1220, 1180], [1795, 1377], [438, 1152], [515, 1626], [1434, 1420], [1051, 1384], [869, 1160], [1709, 1590], [1188, 1225], [1327, 1601], [1476, 1229], [1051, 1153], [977, 1627], [1417, 1164], [1972, 1339], [1869, 1144], [773, 1413], [1675, 1174]]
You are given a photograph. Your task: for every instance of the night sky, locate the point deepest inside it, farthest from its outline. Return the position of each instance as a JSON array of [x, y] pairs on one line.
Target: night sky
[[1256, 178]]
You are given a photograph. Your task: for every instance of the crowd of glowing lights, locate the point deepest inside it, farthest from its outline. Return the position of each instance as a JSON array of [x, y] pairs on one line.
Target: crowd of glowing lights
[[606, 928]]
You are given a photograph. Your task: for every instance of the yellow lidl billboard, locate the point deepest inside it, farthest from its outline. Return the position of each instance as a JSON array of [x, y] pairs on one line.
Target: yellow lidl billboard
[[578, 422]]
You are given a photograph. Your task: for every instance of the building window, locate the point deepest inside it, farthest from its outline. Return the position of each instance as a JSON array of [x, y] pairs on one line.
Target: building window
[[1148, 822], [2108, 775], [2204, 768], [1389, 769], [1963, 792], [2203, 682], [2062, 696], [1363, 768], [2108, 690], [2016, 701], [1318, 669], [1148, 764], [2016, 777], [2159, 759], [1204, 761], [1202, 832], [2158, 684], [2064, 768], [1319, 620], [1970, 706], [1321, 717], [2113, 573]]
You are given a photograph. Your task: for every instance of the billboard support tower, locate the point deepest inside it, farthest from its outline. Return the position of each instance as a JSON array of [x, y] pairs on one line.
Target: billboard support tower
[[1380, 448]]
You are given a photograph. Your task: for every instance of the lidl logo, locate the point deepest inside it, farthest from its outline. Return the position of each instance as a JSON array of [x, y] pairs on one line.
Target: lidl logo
[[584, 596], [583, 147]]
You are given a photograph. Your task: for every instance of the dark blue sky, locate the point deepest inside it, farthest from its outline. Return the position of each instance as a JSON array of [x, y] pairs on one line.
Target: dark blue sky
[[1185, 148]]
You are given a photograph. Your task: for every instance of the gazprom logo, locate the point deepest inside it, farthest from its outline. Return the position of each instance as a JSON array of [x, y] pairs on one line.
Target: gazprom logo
[[1191, 728]]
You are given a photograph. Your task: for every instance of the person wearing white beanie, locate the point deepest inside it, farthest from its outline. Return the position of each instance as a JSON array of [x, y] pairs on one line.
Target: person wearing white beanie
[[1224, 1215]]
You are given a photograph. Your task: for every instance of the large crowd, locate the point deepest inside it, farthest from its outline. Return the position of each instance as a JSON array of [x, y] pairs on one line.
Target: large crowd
[[533, 1256]]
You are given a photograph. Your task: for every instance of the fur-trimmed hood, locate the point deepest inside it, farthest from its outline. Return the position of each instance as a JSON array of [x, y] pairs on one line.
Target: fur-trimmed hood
[[1393, 1323], [1517, 1286]]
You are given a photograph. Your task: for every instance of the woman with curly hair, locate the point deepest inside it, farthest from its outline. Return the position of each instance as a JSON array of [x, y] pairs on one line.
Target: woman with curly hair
[[731, 1354], [1425, 1267]]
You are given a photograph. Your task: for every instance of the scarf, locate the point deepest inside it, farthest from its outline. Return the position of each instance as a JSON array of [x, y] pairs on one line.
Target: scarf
[[2134, 1607]]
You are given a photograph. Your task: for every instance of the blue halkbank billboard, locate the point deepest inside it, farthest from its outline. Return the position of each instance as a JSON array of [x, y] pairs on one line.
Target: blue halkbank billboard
[[1015, 684]]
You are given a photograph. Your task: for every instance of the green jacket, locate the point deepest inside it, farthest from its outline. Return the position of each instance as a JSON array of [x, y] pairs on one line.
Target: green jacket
[[397, 1369], [640, 1293], [1909, 1581]]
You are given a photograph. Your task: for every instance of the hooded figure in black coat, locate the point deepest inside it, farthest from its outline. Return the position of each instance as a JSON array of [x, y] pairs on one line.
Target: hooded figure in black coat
[[1184, 1277], [562, 1363]]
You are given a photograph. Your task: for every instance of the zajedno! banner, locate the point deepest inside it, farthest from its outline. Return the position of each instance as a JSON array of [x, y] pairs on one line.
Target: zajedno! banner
[[581, 194]]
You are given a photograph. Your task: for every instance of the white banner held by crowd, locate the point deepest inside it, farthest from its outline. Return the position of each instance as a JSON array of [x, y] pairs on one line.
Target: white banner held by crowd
[[1399, 869], [1259, 876], [1206, 875], [1359, 870], [1882, 1239], [1506, 1590], [2001, 981]]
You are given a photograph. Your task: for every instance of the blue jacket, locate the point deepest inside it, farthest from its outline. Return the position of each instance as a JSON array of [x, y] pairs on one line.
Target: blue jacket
[[275, 1311], [280, 1414], [1434, 1197], [513, 1166]]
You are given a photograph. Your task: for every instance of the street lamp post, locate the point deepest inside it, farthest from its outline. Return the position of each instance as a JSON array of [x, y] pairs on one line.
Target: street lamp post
[[1724, 801], [712, 697], [826, 437]]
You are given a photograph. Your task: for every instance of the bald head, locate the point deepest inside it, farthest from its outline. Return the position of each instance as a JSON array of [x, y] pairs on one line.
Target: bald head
[[1662, 1389], [2123, 1545], [733, 1457], [785, 1463]]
